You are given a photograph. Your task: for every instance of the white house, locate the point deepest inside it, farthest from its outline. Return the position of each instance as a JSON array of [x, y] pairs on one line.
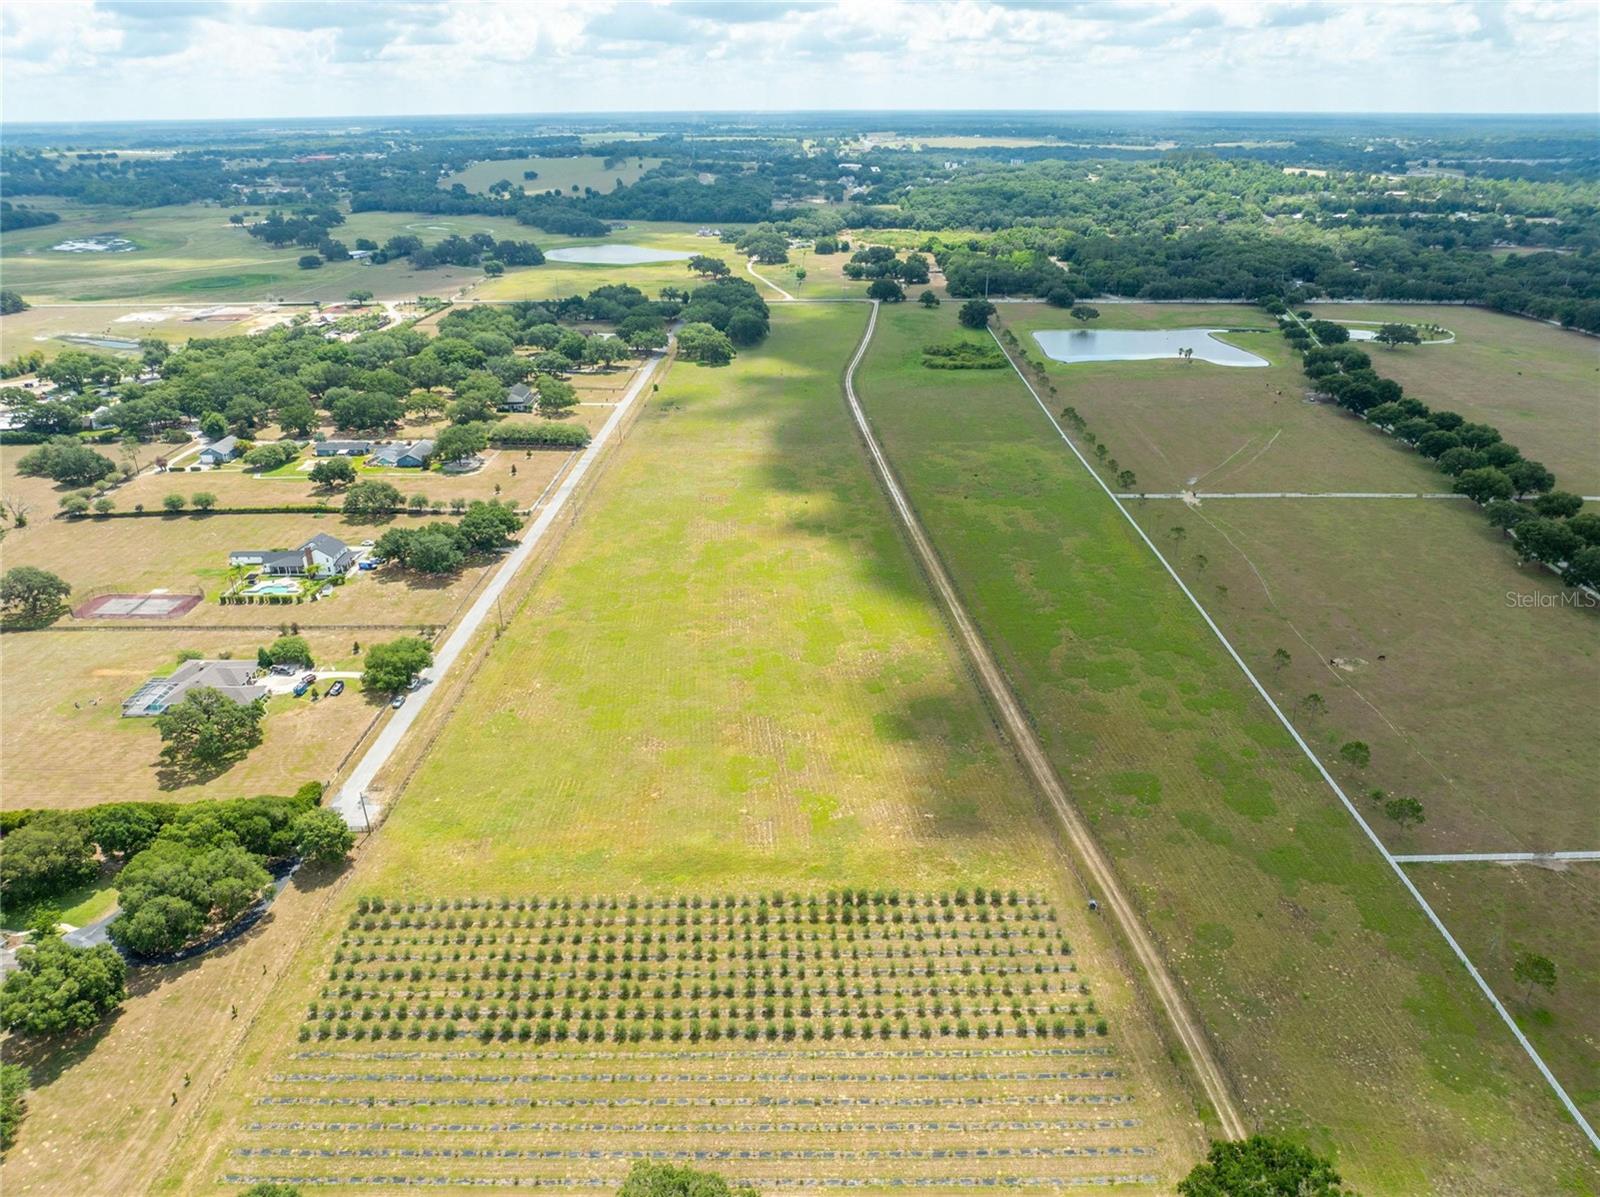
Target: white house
[[320, 557], [218, 452]]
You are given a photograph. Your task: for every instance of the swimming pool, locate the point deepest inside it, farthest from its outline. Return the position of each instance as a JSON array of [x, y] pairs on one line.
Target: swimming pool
[[274, 586]]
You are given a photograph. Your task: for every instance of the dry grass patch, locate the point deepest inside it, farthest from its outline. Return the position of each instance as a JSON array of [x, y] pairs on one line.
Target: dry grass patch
[[67, 745]]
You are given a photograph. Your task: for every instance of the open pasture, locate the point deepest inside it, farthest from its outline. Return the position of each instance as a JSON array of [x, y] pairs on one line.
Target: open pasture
[[1332, 1003], [69, 746], [1500, 912], [730, 678], [1195, 426], [1540, 386], [827, 1040], [1412, 622], [191, 254], [40, 329], [567, 175]]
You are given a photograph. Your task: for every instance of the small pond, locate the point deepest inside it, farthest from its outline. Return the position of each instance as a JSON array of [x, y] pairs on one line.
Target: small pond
[[1140, 345], [122, 344], [614, 255], [99, 243]]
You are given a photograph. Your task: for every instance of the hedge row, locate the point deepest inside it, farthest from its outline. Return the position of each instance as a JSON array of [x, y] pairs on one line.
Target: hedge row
[[544, 434]]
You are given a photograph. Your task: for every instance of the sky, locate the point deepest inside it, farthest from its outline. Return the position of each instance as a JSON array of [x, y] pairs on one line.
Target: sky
[[84, 60]]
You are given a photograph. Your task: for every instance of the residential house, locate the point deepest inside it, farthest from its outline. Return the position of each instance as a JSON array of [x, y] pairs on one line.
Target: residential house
[[218, 452], [412, 455], [521, 397], [322, 556], [234, 679], [343, 448]]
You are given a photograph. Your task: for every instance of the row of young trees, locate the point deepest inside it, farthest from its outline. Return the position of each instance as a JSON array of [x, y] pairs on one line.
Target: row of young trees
[[1547, 525]]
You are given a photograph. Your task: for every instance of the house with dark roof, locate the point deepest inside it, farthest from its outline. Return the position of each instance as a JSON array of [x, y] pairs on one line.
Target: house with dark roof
[[232, 679], [412, 455], [218, 452], [343, 448], [322, 556], [521, 397]]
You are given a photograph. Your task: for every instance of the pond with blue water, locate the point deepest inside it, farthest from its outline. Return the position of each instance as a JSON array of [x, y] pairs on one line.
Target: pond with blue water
[[1142, 345], [614, 255]]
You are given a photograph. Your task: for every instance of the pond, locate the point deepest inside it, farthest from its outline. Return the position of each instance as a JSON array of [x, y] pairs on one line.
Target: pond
[[1140, 345], [122, 344], [614, 255]]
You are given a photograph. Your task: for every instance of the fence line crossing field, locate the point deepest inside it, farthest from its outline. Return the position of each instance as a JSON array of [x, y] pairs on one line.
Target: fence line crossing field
[[1334, 1005], [730, 680]]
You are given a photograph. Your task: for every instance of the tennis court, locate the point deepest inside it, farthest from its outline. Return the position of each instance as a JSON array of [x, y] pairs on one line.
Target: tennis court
[[154, 605]]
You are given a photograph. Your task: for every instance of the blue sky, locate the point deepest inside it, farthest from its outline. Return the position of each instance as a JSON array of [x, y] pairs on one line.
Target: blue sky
[[129, 59]]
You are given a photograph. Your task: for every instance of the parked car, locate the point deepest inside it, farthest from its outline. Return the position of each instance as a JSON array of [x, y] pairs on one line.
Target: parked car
[[416, 683], [336, 689], [399, 701], [300, 688], [283, 670], [310, 679]]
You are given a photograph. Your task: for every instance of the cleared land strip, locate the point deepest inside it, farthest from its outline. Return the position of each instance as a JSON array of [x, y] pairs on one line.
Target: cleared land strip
[[1322, 770], [1032, 754], [1493, 857], [1202, 495], [351, 800]]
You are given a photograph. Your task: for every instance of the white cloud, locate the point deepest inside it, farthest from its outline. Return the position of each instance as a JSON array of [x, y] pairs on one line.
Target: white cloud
[[76, 60]]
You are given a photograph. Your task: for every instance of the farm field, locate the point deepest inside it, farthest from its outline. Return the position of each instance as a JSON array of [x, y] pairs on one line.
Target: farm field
[[745, 687], [578, 173], [1413, 622], [1193, 425], [1331, 1002], [1539, 385], [63, 696], [41, 328], [1499, 912], [191, 254]]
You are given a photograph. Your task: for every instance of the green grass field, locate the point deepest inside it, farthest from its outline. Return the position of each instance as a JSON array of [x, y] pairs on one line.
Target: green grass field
[[1414, 623], [1499, 912], [1335, 1007], [1192, 425], [730, 680], [555, 174], [1539, 385]]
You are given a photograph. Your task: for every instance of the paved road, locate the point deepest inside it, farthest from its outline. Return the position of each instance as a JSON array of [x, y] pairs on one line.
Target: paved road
[[1104, 882], [349, 800]]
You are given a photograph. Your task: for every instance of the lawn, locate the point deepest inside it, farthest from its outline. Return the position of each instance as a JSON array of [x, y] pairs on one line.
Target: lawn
[[1499, 912], [41, 328], [1413, 622], [1335, 1007], [67, 744], [566, 175], [1539, 385], [1193, 425], [731, 679], [555, 279]]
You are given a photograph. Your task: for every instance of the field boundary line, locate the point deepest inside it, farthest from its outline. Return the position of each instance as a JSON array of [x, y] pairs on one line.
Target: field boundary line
[[1316, 761], [1493, 857], [350, 801], [1016, 725], [1200, 496]]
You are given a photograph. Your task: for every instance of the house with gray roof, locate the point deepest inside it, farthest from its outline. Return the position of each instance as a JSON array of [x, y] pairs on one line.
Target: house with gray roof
[[342, 448], [322, 556], [521, 397], [405, 455], [232, 679], [218, 452]]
